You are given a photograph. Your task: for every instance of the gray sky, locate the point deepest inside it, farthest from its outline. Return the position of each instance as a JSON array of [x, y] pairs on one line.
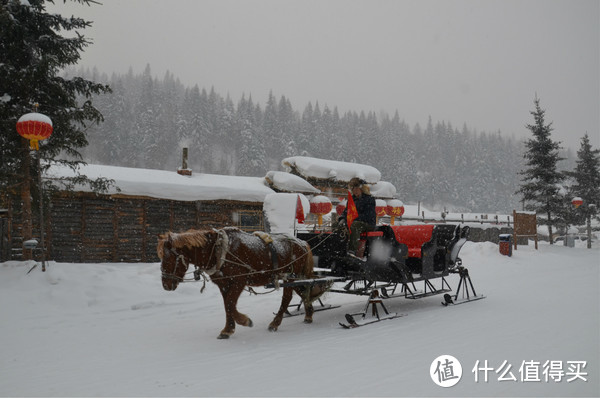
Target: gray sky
[[479, 62]]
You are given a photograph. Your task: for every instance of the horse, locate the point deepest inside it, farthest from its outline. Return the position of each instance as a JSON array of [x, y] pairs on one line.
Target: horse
[[234, 259]]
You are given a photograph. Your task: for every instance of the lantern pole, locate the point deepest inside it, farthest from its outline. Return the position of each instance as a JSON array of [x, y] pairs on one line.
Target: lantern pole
[[39, 165], [41, 200], [34, 127]]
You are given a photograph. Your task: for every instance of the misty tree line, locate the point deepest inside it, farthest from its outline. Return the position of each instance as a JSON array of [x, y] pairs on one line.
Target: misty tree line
[[149, 120]]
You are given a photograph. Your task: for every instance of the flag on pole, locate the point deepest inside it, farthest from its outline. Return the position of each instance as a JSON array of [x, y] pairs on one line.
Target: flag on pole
[[299, 211], [351, 213]]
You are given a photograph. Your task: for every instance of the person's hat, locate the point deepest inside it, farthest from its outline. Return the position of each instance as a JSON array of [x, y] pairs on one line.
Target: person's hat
[[356, 182]]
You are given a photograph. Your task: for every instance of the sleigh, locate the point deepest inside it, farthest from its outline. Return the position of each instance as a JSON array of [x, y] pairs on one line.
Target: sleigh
[[393, 261]]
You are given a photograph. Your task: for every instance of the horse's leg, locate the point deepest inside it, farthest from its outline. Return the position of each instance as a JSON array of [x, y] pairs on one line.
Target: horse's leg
[[285, 301], [306, 297], [241, 319], [230, 294]]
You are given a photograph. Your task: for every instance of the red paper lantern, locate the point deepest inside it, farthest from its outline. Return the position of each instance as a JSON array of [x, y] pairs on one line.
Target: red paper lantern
[[339, 209], [320, 205], [34, 127], [380, 207], [394, 208], [577, 201]]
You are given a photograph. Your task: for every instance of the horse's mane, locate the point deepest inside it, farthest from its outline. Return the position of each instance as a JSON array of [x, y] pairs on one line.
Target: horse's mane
[[189, 238]]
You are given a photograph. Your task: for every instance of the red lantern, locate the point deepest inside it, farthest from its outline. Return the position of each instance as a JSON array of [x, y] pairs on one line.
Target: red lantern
[[320, 205], [380, 207], [577, 201], [339, 209], [394, 208], [34, 127]]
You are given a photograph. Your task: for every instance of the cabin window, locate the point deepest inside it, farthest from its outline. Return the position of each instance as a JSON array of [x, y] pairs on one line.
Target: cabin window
[[250, 220]]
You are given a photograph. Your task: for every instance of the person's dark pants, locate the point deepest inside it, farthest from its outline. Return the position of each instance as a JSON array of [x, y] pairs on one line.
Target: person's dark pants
[[357, 228]]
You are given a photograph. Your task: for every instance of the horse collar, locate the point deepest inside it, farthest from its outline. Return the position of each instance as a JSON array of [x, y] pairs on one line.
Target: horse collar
[[221, 247]]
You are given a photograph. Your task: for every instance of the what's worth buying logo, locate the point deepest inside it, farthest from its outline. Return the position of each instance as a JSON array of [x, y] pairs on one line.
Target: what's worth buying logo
[[445, 371]]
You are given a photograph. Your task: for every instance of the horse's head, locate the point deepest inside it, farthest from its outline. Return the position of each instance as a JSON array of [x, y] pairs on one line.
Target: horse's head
[[174, 263], [177, 250]]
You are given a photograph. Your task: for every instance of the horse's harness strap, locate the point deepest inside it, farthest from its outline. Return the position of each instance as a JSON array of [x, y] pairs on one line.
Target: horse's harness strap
[[268, 240], [222, 247]]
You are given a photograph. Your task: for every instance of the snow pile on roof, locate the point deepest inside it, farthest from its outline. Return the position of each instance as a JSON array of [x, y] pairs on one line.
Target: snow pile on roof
[[330, 169], [280, 211], [287, 182], [164, 184], [383, 189]]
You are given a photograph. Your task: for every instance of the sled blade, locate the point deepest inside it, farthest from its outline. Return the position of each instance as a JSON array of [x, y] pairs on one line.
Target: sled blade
[[354, 323], [449, 300]]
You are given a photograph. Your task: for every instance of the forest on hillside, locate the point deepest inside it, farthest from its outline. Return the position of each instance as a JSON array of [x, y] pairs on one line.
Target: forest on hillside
[[148, 120]]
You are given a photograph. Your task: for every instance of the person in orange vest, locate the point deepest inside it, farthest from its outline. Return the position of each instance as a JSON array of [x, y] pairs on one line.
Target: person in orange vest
[[362, 217]]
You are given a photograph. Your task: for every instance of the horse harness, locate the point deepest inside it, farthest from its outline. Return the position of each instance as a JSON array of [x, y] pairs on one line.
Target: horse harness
[[221, 247]]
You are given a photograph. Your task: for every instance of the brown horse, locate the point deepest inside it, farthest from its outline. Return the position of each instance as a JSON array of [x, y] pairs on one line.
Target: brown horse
[[234, 259]]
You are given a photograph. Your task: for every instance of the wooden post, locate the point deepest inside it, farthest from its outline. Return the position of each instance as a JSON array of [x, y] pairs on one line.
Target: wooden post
[[589, 230], [515, 229], [41, 191], [26, 215]]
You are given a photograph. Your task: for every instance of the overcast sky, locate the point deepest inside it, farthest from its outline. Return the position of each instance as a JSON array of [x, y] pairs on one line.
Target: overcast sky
[[479, 62]]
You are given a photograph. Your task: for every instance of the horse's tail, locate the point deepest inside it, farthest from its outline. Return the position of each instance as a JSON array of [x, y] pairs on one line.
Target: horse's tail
[[309, 263], [315, 292]]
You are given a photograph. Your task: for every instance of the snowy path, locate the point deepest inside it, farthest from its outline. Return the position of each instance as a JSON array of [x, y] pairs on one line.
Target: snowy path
[[110, 330]]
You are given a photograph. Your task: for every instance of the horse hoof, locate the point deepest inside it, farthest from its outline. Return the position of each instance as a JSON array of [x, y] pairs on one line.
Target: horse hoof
[[223, 336], [272, 328], [308, 321], [250, 323]]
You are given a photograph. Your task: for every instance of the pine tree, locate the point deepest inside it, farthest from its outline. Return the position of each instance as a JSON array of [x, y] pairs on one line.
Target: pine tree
[[587, 182], [32, 53], [541, 180]]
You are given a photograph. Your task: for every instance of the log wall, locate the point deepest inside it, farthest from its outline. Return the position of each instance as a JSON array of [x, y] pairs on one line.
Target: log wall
[[90, 228]]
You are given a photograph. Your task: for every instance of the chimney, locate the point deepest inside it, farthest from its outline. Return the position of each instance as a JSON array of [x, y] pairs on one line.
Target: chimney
[[183, 170]]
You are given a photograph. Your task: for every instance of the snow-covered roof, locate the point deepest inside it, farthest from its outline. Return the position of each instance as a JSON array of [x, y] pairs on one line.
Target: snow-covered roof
[[162, 184], [287, 182], [383, 189], [335, 170]]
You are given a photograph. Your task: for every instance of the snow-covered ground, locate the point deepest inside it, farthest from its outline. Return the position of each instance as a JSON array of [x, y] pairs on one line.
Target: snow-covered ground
[[111, 330]]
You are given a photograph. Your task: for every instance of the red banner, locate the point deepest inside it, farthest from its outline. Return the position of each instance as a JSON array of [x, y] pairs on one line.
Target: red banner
[[352, 213], [299, 211]]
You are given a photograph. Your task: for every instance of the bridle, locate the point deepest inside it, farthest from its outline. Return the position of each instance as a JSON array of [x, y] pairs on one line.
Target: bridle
[[198, 272], [180, 259]]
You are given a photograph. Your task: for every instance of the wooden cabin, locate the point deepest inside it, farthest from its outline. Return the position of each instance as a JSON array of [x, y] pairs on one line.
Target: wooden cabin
[[123, 224]]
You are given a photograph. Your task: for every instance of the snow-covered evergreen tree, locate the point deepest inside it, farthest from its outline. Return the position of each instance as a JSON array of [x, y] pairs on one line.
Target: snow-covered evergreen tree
[[32, 54], [541, 180], [586, 177]]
